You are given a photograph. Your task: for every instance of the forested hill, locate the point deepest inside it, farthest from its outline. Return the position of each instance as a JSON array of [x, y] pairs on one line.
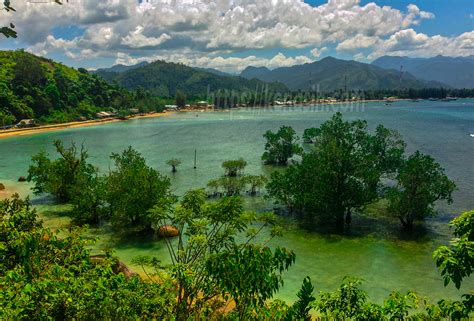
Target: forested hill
[[457, 72], [165, 79], [39, 88], [331, 74]]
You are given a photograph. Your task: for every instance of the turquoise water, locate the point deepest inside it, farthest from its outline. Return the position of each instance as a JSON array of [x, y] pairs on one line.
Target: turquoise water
[[441, 129]]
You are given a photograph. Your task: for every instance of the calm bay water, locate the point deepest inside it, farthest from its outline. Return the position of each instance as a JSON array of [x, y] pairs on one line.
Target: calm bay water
[[441, 129]]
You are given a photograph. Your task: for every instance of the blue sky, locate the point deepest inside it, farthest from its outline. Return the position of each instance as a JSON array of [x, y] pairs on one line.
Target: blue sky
[[232, 34]]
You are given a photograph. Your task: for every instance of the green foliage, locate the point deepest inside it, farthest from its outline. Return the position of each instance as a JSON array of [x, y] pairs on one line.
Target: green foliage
[[133, 188], [63, 176], [35, 87], [255, 182], [420, 183], [280, 146], [302, 307], [457, 261], [89, 199], [180, 99], [174, 162], [167, 79], [249, 273], [207, 247], [341, 174], [234, 168], [43, 276], [233, 182]]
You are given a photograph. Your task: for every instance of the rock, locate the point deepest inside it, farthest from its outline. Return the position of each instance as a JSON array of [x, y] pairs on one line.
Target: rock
[[22, 179], [2, 187], [118, 267], [168, 231]]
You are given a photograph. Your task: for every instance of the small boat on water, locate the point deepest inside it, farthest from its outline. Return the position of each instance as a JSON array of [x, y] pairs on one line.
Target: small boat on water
[[449, 99], [472, 135], [433, 99]]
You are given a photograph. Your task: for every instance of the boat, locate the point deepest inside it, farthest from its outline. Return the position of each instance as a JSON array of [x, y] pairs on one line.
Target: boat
[[472, 135], [449, 99]]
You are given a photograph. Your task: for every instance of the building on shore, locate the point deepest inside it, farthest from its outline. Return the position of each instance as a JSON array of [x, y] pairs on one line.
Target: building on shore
[[26, 123]]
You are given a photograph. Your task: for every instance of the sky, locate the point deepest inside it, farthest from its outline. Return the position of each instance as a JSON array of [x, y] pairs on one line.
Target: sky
[[230, 35]]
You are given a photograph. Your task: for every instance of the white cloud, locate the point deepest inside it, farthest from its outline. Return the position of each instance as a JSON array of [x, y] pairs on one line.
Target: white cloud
[[409, 42], [136, 39], [318, 52], [357, 42], [227, 64], [204, 31]]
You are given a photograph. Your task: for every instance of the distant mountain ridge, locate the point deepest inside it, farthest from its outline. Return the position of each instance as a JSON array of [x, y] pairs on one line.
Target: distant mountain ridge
[[457, 72], [254, 72], [331, 74], [165, 79], [121, 68]]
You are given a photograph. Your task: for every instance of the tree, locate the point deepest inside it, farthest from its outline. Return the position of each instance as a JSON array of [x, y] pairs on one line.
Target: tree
[[421, 182], [457, 261], [44, 275], [207, 247], [180, 99], [280, 146], [255, 182], [234, 168], [174, 162], [133, 188], [89, 199], [60, 177], [249, 273], [302, 307], [341, 174]]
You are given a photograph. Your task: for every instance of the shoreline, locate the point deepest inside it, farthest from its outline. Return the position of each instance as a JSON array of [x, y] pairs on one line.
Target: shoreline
[[95, 122], [76, 124]]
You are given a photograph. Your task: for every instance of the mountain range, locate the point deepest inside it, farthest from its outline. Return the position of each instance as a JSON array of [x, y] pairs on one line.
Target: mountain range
[[331, 74], [457, 72], [165, 79]]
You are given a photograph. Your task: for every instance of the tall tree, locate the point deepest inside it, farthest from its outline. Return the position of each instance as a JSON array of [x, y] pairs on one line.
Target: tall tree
[[208, 259], [342, 172], [133, 188], [421, 182], [60, 177], [280, 146], [180, 99]]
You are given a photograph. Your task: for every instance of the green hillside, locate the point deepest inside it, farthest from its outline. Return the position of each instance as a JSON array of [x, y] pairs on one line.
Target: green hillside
[[331, 74], [39, 88], [165, 79]]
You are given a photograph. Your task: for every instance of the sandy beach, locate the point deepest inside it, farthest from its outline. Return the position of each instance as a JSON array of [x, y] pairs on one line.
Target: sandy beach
[[49, 128]]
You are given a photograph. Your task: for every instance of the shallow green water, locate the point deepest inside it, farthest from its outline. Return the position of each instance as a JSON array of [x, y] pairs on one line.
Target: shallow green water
[[385, 260]]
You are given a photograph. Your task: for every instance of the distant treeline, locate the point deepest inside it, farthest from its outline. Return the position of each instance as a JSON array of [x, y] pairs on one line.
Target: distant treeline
[[263, 97]]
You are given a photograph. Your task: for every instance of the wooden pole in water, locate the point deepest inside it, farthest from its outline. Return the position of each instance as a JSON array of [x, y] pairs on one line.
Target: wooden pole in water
[[195, 157]]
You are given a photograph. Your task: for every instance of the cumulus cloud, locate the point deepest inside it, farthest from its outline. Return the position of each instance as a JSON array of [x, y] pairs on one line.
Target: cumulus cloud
[[357, 42], [227, 64], [409, 42], [136, 39], [205, 31], [318, 52]]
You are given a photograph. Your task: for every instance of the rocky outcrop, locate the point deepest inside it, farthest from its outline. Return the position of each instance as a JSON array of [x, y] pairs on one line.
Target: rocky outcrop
[[2, 187], [22, 179], [168, 231], [118, 267]]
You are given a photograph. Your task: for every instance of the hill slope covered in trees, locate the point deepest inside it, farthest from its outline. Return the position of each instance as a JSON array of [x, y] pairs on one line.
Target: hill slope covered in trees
[[332, 74], [457, 72], [165, 79], [36, 87]]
